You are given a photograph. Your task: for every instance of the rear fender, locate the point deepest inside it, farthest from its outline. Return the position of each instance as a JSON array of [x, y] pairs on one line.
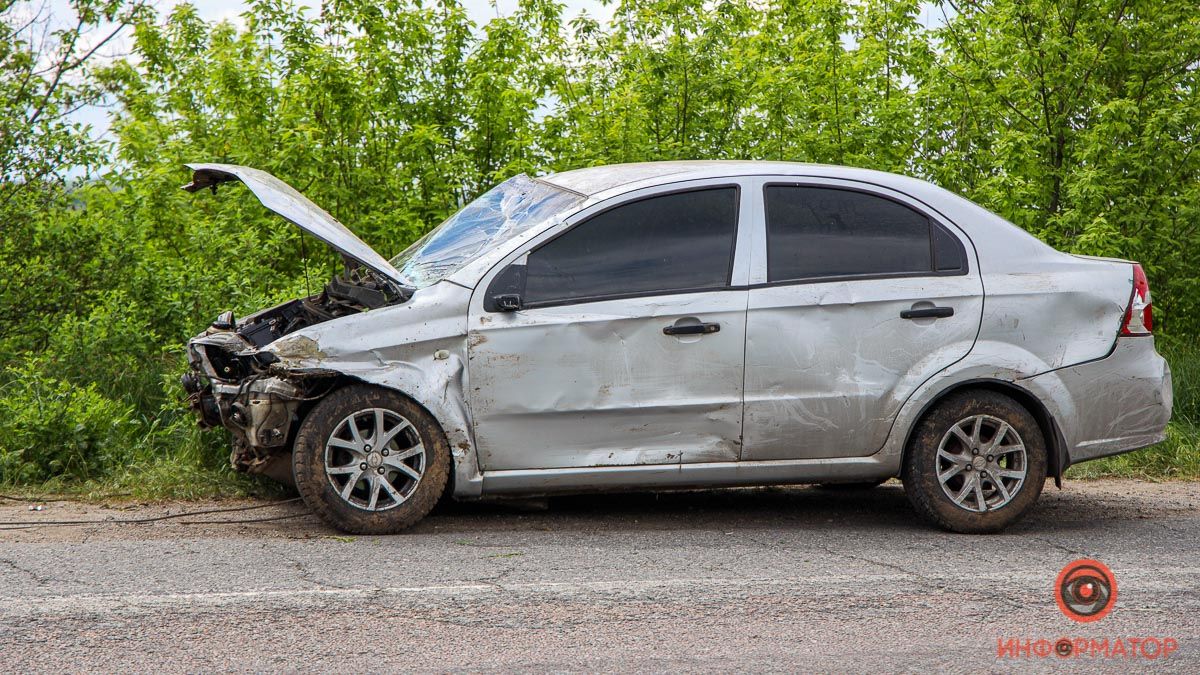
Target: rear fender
[[999, 367]]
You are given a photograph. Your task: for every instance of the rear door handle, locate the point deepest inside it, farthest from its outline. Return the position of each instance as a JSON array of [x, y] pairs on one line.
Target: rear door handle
[[692, 329], [927, 313]]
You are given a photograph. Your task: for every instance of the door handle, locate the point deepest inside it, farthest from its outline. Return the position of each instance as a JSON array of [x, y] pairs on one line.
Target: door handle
[[692, 329], [927, 313]]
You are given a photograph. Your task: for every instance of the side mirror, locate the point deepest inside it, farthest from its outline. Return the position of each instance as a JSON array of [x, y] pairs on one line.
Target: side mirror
[[509, 302], [225, 321], [506, 291]]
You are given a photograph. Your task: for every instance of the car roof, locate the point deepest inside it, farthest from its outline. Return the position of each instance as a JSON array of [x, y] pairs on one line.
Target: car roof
[[601, 179]]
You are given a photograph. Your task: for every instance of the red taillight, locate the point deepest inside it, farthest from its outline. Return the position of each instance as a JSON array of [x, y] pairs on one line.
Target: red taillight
[[1139, 319]]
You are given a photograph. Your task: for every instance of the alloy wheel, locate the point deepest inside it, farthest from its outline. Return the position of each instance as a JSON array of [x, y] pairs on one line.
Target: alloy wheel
[[374, 459], [981, 463]]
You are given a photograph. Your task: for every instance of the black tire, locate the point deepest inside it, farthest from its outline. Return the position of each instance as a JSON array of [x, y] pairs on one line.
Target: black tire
[[852, 487], [317, 488], [976, 516]]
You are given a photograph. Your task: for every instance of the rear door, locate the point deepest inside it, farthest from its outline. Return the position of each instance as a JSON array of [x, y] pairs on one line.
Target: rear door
[[628, 347], [862, 295]]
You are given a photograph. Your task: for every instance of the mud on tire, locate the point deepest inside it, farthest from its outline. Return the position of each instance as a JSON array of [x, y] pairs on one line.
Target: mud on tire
[[976, 462], [355, 485]]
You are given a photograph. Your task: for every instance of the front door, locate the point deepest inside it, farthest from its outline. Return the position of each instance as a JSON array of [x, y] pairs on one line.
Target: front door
[[865, 298], [628, 346]]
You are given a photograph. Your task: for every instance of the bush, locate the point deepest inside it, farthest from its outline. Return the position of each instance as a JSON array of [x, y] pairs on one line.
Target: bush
[[54, 429]]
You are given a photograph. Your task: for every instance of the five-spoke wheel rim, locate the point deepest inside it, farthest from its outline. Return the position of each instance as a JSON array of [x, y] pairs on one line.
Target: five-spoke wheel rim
[[981, 463], [374, 459]]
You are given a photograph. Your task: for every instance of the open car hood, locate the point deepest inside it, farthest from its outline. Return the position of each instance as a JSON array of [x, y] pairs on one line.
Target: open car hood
[[284, 200]]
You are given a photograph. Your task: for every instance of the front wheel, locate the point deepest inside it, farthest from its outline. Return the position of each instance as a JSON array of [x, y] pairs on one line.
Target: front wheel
[[976, 463], [370, 461]]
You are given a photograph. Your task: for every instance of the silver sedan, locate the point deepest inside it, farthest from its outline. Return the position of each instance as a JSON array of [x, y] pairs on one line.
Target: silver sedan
[[687, 324]]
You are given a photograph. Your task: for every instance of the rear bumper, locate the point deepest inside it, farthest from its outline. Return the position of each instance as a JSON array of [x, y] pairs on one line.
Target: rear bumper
[[1114, 405]]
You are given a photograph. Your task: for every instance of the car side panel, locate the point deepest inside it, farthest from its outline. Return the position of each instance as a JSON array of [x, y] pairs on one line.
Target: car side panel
[[1062, 311], [987, 361], [599, 384], [1114, 404], [828, 365]]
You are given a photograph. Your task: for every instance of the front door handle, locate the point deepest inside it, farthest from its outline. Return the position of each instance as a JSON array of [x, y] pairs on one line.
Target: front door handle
[[692, 329], [927, 313]]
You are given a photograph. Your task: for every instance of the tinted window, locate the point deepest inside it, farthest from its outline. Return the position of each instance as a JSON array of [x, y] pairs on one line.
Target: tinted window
[[824, 232], [947, 251], [669, 243]]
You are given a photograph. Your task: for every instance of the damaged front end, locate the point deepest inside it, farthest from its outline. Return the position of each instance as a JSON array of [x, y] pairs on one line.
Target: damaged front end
[[234, 381], [237, 384], [373, 325]]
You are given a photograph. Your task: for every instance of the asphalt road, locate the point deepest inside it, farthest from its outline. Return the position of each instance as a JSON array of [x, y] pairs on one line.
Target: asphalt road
[[762, 580]]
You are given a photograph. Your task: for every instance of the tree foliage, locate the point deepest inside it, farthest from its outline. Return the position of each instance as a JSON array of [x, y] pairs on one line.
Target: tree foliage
[[1077, 121]]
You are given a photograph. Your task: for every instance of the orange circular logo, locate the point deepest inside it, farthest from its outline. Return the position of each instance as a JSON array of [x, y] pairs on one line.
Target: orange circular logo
[[1086, 590]]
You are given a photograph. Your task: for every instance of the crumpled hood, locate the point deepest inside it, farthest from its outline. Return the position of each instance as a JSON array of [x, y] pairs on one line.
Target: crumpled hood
[[284, 200]]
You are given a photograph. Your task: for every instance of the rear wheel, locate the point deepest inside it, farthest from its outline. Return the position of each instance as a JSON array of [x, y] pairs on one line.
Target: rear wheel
[[976, 463], [370, 461]]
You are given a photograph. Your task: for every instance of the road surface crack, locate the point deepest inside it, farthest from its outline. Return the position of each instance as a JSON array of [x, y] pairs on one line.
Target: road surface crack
[[932, 584], [1061, 547], [496, 580], [306, 575], [39, 579]]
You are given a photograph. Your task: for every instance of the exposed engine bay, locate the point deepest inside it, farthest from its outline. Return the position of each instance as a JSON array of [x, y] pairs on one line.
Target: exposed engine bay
[[234, 384]]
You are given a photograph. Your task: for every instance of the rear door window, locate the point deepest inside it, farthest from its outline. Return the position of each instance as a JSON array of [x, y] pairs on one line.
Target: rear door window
[[664, 244], [819, 232]]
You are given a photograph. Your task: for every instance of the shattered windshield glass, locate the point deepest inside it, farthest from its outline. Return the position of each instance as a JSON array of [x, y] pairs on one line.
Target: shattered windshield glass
[[501, 213]]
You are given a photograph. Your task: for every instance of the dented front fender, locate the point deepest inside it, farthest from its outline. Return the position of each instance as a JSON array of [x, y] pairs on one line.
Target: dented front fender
[[417, 349]]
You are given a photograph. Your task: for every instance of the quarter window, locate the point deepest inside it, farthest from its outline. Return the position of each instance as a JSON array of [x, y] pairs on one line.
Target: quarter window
[[669, 243], [815, 232], [947, 251]]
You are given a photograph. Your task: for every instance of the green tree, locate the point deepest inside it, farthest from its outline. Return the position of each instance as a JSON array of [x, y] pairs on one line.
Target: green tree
[[1077, 121]]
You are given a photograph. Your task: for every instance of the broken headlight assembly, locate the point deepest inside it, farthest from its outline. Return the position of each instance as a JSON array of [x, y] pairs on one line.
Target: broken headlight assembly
[[231, 383]]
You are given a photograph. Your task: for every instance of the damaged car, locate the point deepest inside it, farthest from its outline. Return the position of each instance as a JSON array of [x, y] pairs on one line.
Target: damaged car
[[678, 325]]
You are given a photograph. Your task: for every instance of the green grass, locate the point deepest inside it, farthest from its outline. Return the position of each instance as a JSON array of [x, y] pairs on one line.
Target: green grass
[[186, 463], [166, 479]]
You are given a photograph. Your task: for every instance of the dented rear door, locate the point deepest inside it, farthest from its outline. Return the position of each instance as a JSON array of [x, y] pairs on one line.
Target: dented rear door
[[629, 345], [862, 295]]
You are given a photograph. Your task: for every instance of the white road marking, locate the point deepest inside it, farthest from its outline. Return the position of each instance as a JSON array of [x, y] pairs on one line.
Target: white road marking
[[1035, 581]]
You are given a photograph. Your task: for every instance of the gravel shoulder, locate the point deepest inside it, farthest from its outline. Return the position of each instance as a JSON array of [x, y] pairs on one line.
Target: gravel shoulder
[[765, 580]]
